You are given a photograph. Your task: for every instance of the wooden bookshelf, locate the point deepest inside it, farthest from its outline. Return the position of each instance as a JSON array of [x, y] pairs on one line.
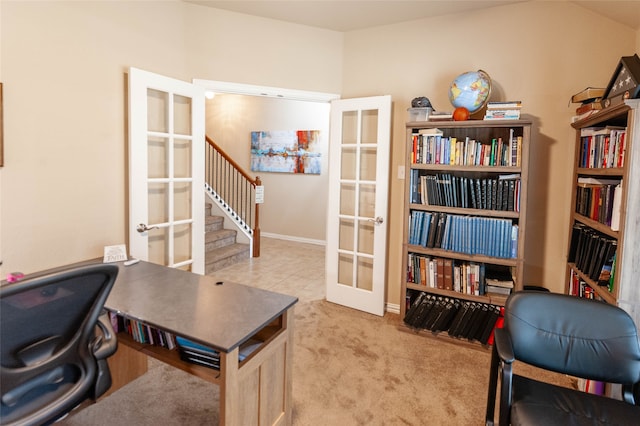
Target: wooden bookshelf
[[623, 289], [466, 211]]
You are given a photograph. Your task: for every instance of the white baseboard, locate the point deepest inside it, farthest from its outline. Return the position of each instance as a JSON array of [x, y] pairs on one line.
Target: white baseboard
[[393, 308], [295, 239]]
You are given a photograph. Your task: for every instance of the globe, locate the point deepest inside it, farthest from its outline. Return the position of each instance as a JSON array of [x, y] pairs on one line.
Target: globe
[[470, 90]]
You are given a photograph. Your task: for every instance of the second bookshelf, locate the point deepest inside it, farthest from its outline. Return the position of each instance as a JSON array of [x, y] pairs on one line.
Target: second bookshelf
[[465, 209]]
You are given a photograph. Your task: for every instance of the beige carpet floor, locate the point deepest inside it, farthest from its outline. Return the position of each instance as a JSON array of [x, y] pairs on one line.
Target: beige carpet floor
[[350, 368]]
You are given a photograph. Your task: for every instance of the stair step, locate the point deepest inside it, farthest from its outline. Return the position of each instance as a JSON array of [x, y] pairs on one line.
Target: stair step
[[225, 256], [219, 238], [213, 223]]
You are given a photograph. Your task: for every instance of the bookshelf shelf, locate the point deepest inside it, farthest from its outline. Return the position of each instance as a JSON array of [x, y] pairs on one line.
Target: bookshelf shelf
[[465, 221], [462, 256], [600, 227], [615, 171], [622, 288], [463, 211]]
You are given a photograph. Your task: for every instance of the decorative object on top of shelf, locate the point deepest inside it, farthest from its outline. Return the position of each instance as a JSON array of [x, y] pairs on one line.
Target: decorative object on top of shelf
[[625, 82], [461, 114], [421, 102], [470, 90]]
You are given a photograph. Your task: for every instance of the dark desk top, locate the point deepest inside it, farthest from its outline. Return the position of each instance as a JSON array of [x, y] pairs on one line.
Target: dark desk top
[[194, 306]]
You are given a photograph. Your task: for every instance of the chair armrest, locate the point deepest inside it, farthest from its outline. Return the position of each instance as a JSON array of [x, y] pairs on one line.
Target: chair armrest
[[503, 345], [105, 345]]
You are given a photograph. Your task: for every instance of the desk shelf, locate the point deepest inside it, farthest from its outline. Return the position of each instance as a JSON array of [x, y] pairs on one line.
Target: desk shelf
[[171, 357]]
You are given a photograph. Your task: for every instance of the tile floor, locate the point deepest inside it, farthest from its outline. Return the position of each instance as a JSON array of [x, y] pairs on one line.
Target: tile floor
[[288, 267]]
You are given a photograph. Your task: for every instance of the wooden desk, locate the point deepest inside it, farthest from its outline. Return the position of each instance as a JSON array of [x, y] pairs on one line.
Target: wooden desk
[[256, 391]]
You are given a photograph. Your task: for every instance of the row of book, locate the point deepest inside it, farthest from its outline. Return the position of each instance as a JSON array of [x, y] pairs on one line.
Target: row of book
[[141, 332], [486, 236], [580, 288], [593, 253], [474, 321], [457, 275], [600, 200], [444, 189], [602, 147], [432, 147], [509, 110]]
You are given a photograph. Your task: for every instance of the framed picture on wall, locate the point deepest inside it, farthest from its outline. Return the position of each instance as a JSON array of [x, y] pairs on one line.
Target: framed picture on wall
[[286, 151]]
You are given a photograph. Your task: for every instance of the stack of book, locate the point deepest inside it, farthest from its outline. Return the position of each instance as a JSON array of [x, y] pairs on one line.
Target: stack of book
[[509, 110], [589, 100], [593, 253], [474, 321], [208, 357]]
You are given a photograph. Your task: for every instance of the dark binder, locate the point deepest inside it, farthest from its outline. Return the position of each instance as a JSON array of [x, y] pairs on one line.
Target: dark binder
[[511, 196], [435, 218], [479, 197], [478, 322], [447, 315], [490, 323], [472, 193], [442, 219], [455, 326], [434, 313], [468, 320], [424, 310], [413, 309]]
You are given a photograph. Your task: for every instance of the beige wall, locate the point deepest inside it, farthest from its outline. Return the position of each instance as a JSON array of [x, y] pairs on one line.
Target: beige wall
[[527, 52], [295, 204], [63, 188]]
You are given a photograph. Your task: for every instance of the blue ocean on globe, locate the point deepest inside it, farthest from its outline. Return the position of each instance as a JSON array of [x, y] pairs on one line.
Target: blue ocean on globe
[[470, 90]]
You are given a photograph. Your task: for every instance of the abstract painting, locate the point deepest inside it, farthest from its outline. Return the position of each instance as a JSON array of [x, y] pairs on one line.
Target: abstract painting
[[286, 151]]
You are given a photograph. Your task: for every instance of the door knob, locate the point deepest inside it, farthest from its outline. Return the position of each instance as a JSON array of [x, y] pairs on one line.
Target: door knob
[[378, 220], [144, 228]]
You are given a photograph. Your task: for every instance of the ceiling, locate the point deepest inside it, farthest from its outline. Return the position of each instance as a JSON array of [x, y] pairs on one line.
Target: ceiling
[[348, 15]]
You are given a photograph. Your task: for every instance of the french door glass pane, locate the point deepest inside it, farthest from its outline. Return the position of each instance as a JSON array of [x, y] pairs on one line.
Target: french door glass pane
[[347, 199], [157, 111], [181, 115], [349, 127], [365, 273], [182, 243], [369, 126], [157, 157], [158, 242], [345, 269], [346, 234], [367, 202], [158, 204], [182, 201], [365, 236], [348, 163], [368, 160], [182, 167]]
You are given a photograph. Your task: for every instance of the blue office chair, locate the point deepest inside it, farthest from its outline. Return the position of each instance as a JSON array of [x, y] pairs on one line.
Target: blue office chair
[[54, 343], [579, 337]]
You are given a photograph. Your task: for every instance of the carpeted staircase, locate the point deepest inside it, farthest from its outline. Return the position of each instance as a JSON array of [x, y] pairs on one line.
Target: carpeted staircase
[[221, 248]]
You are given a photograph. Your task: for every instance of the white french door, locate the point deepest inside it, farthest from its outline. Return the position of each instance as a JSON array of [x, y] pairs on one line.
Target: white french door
[[358, 203], [166, 171]]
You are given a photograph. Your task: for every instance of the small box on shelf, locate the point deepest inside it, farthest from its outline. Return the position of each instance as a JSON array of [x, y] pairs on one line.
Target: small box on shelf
[[419, 114]]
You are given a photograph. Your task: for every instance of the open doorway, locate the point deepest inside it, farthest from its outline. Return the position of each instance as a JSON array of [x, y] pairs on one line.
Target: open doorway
[[295, 204]]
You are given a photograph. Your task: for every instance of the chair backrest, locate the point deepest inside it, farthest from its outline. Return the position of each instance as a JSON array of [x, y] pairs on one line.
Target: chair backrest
[[580, 337], [46, 339]]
